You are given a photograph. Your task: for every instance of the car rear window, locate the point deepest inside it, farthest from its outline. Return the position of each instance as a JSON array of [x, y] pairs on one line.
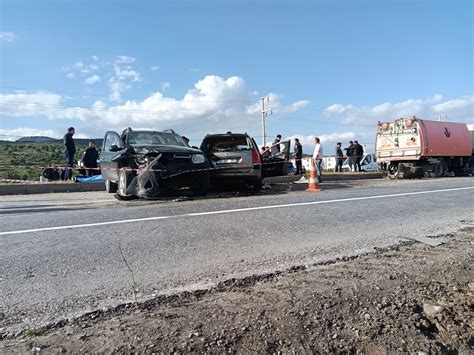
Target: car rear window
[[226, 144]]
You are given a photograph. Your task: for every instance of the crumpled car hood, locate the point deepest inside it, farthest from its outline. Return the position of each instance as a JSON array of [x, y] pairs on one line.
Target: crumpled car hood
[[146, 149]]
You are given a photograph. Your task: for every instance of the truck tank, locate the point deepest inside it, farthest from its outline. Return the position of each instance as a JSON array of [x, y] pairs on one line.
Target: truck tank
[[445, 139], [413, 147]]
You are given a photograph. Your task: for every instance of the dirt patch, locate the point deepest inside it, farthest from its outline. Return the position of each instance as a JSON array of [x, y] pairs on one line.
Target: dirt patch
[[414, 298]]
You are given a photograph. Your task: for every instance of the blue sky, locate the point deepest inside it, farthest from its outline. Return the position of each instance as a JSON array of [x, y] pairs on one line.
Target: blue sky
[[331, 68]]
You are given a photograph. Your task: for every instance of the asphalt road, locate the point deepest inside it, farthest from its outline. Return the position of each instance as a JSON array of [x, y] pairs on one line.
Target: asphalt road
[[60, 253]]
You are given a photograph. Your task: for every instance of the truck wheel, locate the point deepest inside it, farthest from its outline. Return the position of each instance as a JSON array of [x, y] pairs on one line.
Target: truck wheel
[[110, 187], [439, 169], [393, 172], [462, 170]]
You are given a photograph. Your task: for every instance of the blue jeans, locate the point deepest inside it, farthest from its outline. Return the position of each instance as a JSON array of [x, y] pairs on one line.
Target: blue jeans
[[69, 164], [319, 170]]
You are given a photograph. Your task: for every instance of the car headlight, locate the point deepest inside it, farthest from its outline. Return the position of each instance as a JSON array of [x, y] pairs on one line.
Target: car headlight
[[198, 158]]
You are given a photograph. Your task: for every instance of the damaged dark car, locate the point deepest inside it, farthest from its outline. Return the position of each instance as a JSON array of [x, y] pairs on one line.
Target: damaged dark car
[[149, 164]]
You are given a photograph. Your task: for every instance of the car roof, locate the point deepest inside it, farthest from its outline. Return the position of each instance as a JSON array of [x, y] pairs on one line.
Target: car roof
[[226, 135]]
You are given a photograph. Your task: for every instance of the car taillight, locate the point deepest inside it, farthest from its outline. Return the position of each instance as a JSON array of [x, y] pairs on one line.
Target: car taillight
[[255, 157]]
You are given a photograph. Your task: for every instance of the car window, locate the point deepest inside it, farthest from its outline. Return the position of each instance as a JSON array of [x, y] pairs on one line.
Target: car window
[[226, 143], [112, 139], [152, 138], [367, 160]]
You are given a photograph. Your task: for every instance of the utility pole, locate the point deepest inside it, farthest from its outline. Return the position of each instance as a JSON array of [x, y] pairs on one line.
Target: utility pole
[[264, 115]]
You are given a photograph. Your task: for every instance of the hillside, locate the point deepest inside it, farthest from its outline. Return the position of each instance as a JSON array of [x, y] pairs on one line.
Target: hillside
[[26, 161]]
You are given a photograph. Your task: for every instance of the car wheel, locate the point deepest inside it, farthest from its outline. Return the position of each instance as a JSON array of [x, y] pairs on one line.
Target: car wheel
[[256, 186], [110, 187], [125, 177]]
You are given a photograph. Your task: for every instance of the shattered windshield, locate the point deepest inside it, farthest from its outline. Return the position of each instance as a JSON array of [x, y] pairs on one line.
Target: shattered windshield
[[154, 138]]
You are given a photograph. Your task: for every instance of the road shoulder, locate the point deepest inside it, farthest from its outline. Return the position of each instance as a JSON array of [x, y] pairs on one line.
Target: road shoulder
[[410, 298]]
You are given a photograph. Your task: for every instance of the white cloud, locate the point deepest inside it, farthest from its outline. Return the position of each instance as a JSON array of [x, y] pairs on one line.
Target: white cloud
[[194, 70], [213, 104], [92, 80], [127, 73], [78, 65], [14, 134], [123, 59], [120, 72], [155, 67], [216, 104], [7, 36], [41, 104], [82, 69], [165, 86], [460, 109]]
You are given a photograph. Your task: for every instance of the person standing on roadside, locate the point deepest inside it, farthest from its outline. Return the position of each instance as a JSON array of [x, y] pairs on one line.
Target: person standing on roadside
[[349, 152], [69, 151], [276, 146], [298, 150], [318, 157], [90, 159], [358, 154], [339, 157]]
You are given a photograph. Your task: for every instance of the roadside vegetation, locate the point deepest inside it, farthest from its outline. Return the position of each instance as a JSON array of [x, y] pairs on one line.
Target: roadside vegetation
[[26, 161]]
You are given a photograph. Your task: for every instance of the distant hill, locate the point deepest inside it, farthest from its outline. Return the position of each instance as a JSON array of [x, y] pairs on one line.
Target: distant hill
[[36, 139]]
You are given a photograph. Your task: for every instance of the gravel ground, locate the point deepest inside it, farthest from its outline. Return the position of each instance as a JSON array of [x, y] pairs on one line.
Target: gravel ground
[[411, 298]]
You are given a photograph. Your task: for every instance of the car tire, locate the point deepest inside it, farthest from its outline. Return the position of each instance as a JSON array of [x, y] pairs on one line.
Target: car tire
[[202, 187], [111, 187], [125, 177], [256, 186]]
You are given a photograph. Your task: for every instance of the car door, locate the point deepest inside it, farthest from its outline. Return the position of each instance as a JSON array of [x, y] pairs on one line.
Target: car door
[[277, 165], [112, 146], [369, 163]]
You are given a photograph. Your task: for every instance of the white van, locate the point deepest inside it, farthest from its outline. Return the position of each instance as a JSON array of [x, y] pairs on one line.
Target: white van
[[368, 163]]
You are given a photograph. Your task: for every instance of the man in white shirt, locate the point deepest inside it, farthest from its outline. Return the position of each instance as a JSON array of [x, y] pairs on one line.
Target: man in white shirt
[[318, 157]]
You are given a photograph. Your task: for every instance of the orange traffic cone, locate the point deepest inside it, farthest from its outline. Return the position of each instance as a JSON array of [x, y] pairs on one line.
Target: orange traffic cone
[[313, 179]]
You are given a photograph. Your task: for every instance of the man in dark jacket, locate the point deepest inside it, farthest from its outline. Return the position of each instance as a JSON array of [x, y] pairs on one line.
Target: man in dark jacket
[[69, 151], [339, 157], [349, 152], [358, 155], [298, 150], [90, 159]]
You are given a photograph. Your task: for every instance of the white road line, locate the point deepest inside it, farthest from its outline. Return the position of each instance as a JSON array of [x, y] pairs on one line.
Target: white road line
[[75, 226]]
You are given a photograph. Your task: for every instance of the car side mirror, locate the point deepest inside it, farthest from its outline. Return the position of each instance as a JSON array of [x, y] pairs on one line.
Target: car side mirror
[[194, 147], [114, 148]]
